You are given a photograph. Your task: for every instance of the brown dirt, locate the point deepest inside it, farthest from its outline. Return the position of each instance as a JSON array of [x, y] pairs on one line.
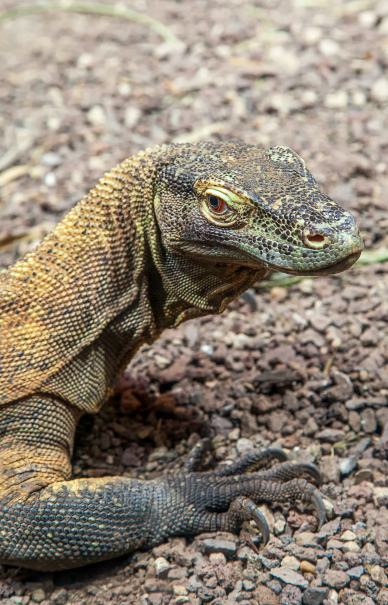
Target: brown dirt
[[307, 370]]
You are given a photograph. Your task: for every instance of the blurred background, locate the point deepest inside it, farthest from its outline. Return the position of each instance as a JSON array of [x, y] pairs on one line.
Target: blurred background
[[85, 84], [79, 92]]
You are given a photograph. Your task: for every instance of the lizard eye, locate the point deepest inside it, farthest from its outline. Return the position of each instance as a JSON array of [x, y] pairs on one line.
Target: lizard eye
[[219, 206], [216, 204]]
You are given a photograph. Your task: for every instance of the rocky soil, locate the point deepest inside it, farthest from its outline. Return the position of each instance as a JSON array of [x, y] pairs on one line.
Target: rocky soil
[[305, 367]]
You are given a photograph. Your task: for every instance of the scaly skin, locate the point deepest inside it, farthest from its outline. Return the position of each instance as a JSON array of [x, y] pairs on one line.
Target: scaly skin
[[173, 233]]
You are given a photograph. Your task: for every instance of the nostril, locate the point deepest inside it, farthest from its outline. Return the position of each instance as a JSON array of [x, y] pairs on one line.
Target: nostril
[[316, 237], [314, 240]]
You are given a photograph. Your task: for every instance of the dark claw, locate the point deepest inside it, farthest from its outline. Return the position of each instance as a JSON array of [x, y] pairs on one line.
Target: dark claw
[[319, 506], [311, 470], [249, 297], [277, 453], [261, 522], [250, 512]]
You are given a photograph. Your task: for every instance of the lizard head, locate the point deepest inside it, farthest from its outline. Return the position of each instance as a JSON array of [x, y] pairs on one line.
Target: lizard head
[[236, 204]]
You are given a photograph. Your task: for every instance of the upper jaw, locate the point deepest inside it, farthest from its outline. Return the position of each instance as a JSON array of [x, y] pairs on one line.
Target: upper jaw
[[332, 259]]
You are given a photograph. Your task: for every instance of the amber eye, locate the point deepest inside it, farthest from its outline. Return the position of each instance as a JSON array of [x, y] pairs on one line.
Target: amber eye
[[216, 204]]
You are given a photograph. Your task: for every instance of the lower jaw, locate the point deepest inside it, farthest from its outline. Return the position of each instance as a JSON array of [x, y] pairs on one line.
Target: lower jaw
[[342, 265]]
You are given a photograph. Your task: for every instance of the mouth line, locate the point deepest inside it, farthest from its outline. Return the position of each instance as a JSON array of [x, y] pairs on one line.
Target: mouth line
[[337, 267]]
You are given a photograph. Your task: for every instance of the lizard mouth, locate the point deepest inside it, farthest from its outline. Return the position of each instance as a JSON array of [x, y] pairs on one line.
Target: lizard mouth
[[337, 267]]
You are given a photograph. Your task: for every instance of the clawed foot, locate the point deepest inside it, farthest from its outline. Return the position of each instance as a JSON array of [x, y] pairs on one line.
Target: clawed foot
[[224, 498]]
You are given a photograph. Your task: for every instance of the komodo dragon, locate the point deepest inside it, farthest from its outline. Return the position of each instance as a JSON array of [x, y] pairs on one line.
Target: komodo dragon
[[172, 233]]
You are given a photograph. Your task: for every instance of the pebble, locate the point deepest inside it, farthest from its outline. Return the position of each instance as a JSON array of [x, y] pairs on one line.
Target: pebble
[[314, 596], [307, 567], [279, 526], [368, 421], [347, 465], [331, 435], [336, 100], [244, 445], [162, 567], [332, 598], [290, 562], [265, 596], [59, 596], [348, 535], [379, 90], [291, 595], [248, 585], [380, 495], [329, 47], [351, 547], [306, 538], [336, 578], [227, 547], [179, 590], [355, 573], [96, 116], [38, 595], [289, 576], [377, 574]]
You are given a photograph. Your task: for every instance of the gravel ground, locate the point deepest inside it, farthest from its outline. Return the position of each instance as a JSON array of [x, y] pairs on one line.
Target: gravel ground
[[306, 370]]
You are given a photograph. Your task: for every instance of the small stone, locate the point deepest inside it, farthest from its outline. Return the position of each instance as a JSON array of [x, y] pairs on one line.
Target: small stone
[[51, 159], [308, 98], [364, 474], [265, 596], [314, 596], [311, 34], [336, 578], [59, 596], [379, 90], [332, 598], [331, 435], [351, 547], [179, 590], [368, 421], [50, 180], [162, 567], [38, 595], [347, 465], [378, 575], [291, 595], [334, 544], [96, 116], [217, 558], [248, 585], [227, 547], [289, 576], [307, 567], [355, 573], [132, 116], [290, 562], [279, 526], [306, 538], [244, 445], [329, 47], [348, 535], [336, 100], [380, 495], [359, 98]]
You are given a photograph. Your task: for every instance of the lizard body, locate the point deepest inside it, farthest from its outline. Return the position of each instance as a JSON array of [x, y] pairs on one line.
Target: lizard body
[[172, 233]]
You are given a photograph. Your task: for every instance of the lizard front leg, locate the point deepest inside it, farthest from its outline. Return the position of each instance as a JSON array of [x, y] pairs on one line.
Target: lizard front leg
[[51, 522]]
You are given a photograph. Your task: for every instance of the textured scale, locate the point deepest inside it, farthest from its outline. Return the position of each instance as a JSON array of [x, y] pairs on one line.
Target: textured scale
[[139, 253]]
